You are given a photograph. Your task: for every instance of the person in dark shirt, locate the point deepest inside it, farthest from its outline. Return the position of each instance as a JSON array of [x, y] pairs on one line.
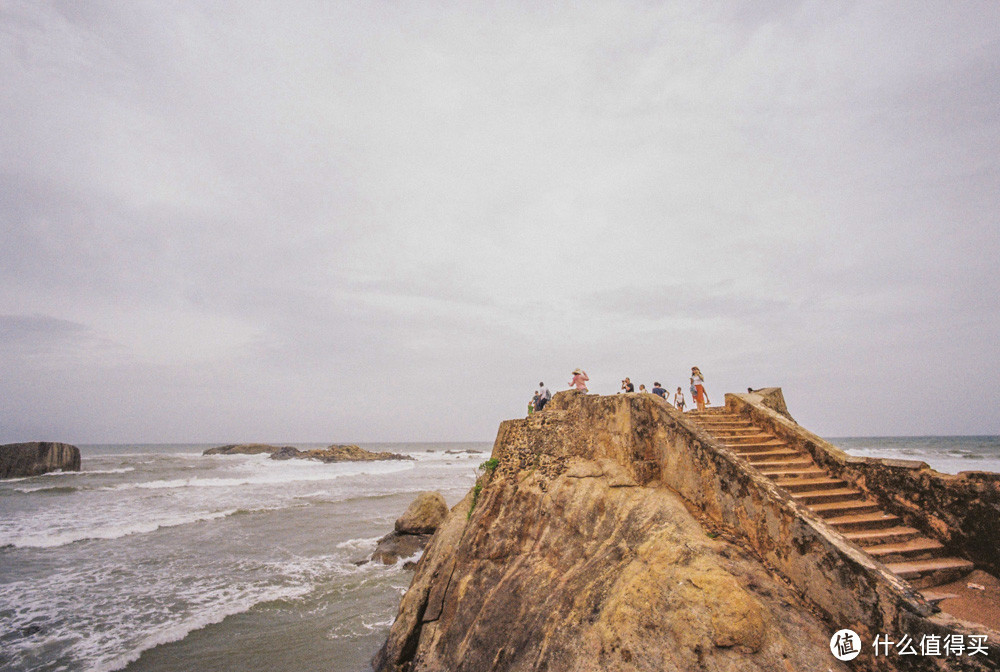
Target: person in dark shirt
[[627, 385], [659, 391]]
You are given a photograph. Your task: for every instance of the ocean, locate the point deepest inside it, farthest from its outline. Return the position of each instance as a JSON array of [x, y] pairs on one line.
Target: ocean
[[156, 557]]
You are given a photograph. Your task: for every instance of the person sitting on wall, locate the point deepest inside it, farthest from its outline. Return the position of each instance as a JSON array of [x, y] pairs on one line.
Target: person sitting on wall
[[579, 381], [659, 391], [627, 385]]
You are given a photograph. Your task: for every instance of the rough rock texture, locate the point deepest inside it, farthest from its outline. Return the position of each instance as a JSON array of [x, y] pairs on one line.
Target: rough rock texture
[[574, 558], [245, 449], [335, 453], [424, 515], [348, 454], [38, 457], [413, 529]]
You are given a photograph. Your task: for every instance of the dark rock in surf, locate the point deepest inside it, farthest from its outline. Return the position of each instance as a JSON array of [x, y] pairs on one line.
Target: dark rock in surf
[[19, 460], [334, 453], [245, 449]]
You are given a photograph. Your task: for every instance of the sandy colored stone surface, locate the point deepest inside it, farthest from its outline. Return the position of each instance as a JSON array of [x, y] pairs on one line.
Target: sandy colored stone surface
[[581, 573], [972, 604], [424, 514]]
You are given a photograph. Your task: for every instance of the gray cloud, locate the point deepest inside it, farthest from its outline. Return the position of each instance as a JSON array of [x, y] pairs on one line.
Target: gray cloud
[[369, 221]]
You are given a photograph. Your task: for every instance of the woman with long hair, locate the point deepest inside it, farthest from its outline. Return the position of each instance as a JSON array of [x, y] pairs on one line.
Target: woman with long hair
[[700, 396]]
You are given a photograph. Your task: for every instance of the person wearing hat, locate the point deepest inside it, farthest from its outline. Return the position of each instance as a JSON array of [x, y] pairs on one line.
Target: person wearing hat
[[580, 379]]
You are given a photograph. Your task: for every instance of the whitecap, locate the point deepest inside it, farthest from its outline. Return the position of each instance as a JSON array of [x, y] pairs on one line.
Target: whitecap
[[107, 532]]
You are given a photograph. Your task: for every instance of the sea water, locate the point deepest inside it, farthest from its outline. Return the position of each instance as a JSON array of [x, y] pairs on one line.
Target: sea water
[[160, 558]]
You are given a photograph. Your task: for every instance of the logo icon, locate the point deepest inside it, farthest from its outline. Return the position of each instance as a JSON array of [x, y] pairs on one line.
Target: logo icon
[[845, 645]]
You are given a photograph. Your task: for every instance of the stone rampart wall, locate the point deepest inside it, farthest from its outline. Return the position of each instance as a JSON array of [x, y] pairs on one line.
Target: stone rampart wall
[[962, 511]]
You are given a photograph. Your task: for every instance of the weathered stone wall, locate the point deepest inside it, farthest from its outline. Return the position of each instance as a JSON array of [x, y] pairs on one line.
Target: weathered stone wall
[[37, 457], [961, 511]]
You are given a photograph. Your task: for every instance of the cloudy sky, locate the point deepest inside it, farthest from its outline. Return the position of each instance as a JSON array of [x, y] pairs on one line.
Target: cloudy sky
[[388, 221]]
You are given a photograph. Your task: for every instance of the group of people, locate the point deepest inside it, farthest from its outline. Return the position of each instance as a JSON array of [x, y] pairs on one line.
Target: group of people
[[580, 379]]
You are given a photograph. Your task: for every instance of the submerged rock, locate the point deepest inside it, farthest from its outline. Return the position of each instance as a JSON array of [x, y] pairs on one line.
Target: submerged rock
[[18, 460]]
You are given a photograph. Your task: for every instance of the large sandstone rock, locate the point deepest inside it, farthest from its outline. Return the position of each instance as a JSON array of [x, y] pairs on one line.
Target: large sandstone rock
[[37, 457], [573, 557], [424, 514], [413, 529]]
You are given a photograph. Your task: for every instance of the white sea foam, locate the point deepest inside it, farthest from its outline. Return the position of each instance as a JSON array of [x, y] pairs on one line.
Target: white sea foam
[[271, 476], [105, 532], [361, 543], [218, 611], [89, 472]]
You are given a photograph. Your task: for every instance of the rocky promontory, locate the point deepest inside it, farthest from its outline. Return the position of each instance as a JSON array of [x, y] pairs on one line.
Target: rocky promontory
[[413, 529], [570, 554], [37, 457], [334, 453]]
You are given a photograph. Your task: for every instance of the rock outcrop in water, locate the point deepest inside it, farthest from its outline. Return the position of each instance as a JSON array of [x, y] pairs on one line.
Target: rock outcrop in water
[[38, 457], [413, 529], [335, 453], [245, 449], [570, 555]]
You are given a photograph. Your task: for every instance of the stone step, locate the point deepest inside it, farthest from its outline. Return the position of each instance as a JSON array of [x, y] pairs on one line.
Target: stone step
[[735, 436], [803, 484], [838, 509], [784, 473], [888, 535], [863, 521], [920, 548], [758, 447], [824, 496], [724, 424], [782, 466], [929, 573], [754, 457]]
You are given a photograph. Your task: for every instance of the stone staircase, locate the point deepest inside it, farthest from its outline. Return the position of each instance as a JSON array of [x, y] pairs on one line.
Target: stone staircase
[[918, 559]]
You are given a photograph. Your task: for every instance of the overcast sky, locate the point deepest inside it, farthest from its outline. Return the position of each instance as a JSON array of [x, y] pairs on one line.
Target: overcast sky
[[388, 221]]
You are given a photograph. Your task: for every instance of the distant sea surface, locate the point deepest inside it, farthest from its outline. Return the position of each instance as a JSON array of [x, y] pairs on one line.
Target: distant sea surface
[[156, 558]]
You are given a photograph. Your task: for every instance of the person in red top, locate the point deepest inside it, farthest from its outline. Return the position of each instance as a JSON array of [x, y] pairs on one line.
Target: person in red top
[[580, 379], [698, 381]]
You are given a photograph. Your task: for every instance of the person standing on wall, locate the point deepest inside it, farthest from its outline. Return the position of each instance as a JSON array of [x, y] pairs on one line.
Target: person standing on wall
[[679, 400], [544, 397], [627, 385], [659, 391], [698, 381], [580, 379]]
